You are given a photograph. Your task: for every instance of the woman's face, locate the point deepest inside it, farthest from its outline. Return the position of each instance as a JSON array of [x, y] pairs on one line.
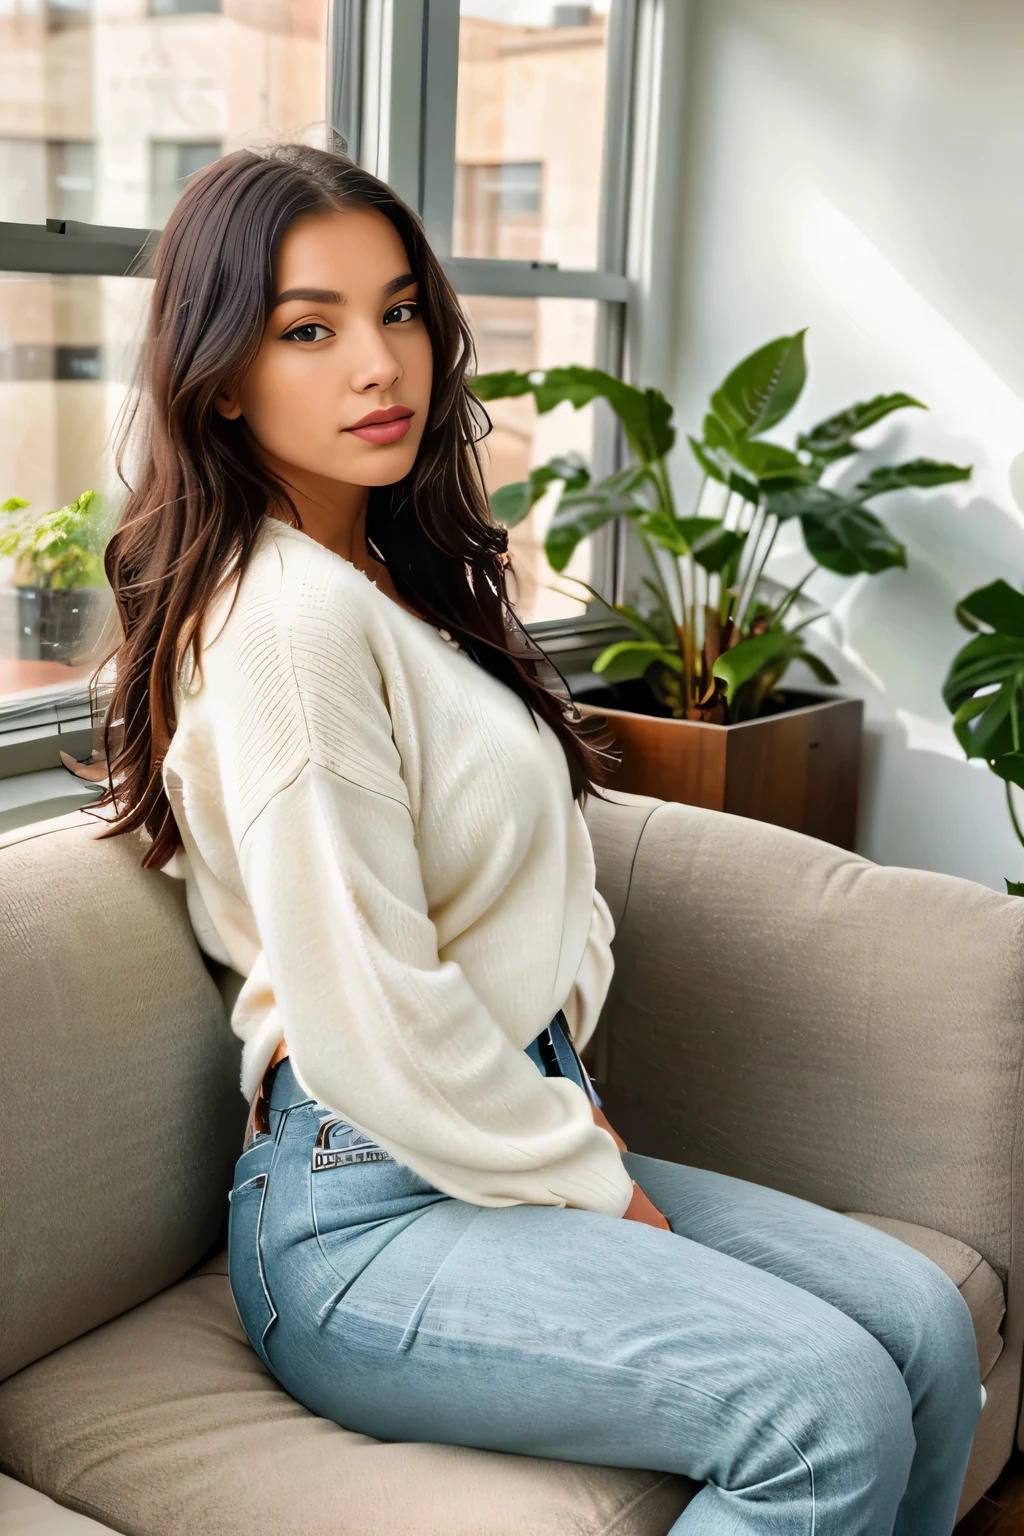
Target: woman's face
[[345, 345]]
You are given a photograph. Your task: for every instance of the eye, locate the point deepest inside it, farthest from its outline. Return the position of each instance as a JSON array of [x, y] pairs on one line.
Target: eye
[[401, 313], [311, 331]]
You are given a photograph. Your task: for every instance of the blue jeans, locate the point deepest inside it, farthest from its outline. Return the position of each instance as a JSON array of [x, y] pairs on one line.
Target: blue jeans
[[818, 1376]]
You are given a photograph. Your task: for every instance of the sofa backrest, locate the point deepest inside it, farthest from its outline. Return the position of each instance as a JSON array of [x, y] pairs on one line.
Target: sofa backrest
[[122, 1114], [789, 1013]]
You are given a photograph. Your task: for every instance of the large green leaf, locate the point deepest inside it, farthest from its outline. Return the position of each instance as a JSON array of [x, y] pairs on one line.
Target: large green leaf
[[999, 605], [511, 503], [922, 473], [802, 501], [762, 389], [832, 438], [629, 659], [627, 493], [984, 662], [738, 666], [770, 464], [848, 539], [719, 552], [983, 725], [723, 472], [1010, 767], [645, 414]]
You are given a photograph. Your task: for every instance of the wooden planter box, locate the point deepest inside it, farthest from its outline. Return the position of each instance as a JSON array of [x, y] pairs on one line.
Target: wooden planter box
[[797, 768]]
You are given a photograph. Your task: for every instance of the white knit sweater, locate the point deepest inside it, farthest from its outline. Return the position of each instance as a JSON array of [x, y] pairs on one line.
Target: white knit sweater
[[381, 837]]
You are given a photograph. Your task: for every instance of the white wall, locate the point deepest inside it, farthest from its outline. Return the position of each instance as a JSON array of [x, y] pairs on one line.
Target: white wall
[[857, 166]]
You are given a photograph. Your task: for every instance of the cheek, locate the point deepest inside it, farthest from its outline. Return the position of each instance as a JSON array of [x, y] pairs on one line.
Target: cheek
[[417, 361], [282, 390]]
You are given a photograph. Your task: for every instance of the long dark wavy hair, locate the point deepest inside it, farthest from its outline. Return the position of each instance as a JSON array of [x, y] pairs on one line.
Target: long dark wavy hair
[[198, 487]]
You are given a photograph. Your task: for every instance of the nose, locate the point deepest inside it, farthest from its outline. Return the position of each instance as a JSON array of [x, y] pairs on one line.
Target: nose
[[375, 365]]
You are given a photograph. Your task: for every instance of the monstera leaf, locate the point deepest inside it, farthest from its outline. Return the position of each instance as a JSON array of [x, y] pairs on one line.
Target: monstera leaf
[[985, 686]]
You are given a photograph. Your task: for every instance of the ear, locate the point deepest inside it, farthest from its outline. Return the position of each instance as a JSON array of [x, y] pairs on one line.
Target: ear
[[226, 402]]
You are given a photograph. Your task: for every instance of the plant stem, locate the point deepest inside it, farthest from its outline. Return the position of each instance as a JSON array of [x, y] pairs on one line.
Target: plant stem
[[754, 576], [791, 597], [1013, 813]]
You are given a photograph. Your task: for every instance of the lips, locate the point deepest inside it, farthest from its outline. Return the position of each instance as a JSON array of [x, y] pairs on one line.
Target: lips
[[384, 426]]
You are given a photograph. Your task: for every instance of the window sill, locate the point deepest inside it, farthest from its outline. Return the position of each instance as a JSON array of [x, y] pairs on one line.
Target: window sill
[[29, 797]]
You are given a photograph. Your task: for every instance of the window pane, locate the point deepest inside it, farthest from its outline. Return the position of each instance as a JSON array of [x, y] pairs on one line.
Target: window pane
[[530, 130], [66, 353], [524, 334], [106, 112]]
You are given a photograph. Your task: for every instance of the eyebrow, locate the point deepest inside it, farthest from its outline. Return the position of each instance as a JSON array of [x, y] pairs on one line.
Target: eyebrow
[[331, 296]]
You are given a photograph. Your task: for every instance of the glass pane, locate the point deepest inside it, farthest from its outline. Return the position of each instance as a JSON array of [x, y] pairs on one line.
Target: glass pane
[[106, 112], [66, 356], [530, 132], [524, 334]]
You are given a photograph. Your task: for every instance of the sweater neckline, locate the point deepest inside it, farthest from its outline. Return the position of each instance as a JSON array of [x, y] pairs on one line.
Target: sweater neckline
[[442, 634]]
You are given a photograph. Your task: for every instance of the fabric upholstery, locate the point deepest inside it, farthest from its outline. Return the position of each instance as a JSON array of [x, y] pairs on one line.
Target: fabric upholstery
[[781, 1010], [788, 1012], [168, 1410], [122, 1114], [164, 1423]]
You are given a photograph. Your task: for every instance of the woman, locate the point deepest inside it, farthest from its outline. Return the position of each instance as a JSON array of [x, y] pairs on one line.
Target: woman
[[331, 726]]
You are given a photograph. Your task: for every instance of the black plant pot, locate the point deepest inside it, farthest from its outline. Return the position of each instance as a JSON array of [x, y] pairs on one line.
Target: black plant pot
[[61, 625]]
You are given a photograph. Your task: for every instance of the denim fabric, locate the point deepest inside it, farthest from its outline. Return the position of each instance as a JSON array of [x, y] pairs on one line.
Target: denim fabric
[[819, 1377]]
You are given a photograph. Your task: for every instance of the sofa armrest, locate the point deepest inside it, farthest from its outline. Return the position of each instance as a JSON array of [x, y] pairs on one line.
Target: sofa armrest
[[789, 1013]]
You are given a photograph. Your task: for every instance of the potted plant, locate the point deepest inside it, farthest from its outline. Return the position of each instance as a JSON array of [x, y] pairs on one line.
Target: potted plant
[[60, 585], [985, 690], [695, 697]]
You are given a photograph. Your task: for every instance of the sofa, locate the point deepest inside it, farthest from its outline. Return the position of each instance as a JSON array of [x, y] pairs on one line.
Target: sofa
[[781, 1010]]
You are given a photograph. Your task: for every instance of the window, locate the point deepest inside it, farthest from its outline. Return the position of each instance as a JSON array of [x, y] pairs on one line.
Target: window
[[506, 123], [101, 126], [531, 101], [70, 180], [171, 165], [497, 210]]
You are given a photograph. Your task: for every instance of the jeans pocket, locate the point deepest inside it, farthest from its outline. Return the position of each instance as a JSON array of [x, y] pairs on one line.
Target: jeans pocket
[[245, 1263]]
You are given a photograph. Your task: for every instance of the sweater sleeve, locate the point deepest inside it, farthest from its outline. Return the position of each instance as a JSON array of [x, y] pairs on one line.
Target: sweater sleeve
[[379, 1026], [383, 1031], [583, 1006]]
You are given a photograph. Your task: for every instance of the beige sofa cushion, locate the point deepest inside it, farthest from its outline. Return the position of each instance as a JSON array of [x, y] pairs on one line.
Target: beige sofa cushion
[[164, 1422]]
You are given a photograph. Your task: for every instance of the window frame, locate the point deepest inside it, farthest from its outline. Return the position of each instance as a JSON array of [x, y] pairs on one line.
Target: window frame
[[414, 45], [391, 92]]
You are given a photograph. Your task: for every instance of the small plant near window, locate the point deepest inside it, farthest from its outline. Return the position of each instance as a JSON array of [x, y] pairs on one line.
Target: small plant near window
[[60, 594], [984, 690], [716, 635], [57, 550]]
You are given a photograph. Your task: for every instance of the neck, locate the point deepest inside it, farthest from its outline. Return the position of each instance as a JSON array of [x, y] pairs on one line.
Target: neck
[[332, 513]]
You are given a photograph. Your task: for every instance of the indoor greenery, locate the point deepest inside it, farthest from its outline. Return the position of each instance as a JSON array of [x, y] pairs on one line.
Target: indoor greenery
[[716, 635], [985, 689], [56, 550]]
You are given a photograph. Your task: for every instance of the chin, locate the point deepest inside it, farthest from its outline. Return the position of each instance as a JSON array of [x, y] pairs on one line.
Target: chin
[[380, 468]]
